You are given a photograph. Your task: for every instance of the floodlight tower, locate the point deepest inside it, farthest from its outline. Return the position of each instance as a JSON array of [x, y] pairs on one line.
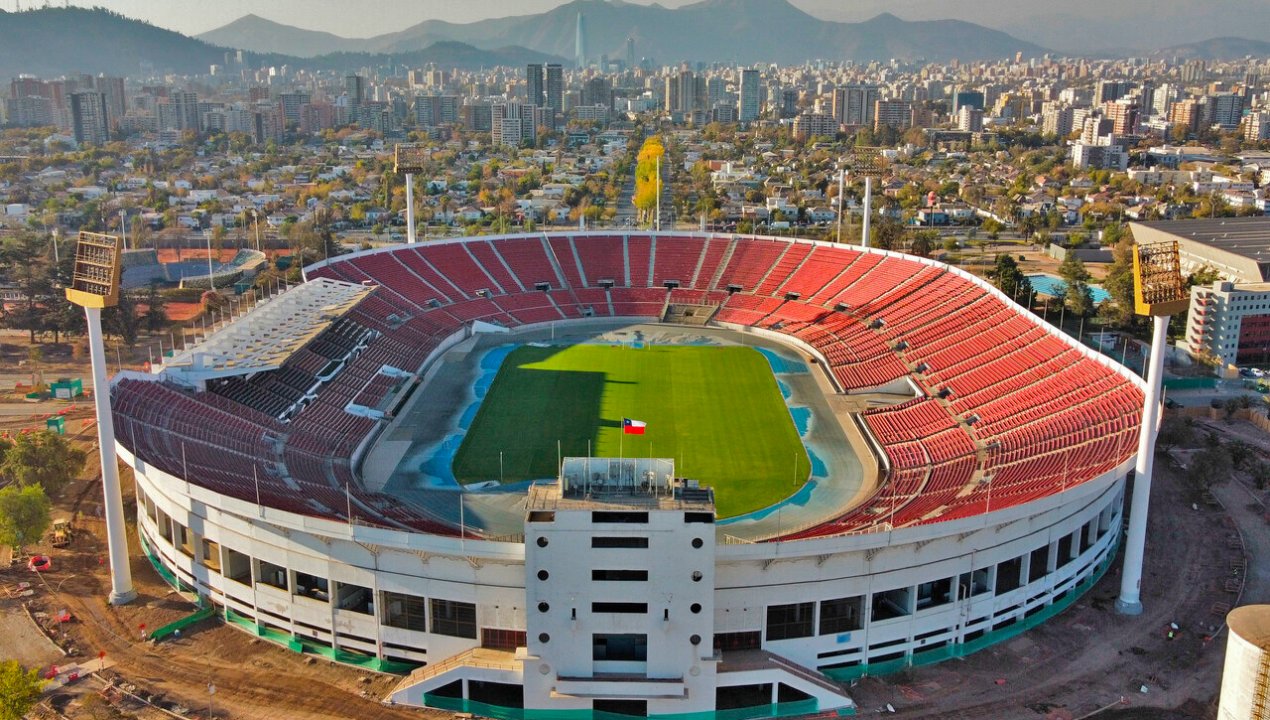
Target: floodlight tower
[[408, 159], [1159, 293], [95, 285], [868, 162]]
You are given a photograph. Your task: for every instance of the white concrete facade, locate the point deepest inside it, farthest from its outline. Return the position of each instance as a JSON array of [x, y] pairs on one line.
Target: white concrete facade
[[838, 604]]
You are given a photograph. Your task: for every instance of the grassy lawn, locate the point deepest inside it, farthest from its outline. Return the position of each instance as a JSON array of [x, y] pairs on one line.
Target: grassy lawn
[[715, 410]]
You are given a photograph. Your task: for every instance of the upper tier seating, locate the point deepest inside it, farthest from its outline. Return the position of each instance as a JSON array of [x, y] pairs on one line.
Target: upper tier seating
[[1009, 411]]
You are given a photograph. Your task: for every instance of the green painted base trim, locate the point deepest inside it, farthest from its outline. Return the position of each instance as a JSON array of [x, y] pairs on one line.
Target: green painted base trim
[[173, 627], [498, 712], [304, 646], [168, 576], [986, 640]]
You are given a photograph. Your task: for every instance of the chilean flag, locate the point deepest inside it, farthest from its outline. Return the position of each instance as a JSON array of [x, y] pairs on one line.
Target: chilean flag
[[633, 427]]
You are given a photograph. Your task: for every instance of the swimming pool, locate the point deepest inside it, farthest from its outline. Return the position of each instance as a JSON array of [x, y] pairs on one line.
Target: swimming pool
[[1055, 287]]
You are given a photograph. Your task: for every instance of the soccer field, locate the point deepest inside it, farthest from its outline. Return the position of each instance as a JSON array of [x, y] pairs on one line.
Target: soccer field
[[716, 410]]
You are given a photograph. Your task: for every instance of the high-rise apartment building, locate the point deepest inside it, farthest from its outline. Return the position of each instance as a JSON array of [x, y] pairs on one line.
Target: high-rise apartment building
[[1186, 113], [750, 106], [1110, 91], [970, 119], [1123, 114], [291, 102], [436, 110], [854, 105], [534, 91], [112, 88], [896, 114], [1257, 126], [514, 124], [88, 117], [1224, 110], [555, 89], [355, 92]]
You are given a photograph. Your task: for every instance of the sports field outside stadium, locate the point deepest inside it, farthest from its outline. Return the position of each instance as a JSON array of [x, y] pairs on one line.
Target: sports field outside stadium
[[716, 410]]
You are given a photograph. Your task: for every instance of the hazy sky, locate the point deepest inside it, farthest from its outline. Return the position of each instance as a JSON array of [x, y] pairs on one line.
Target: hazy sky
[[1070, 24], [347, 18]]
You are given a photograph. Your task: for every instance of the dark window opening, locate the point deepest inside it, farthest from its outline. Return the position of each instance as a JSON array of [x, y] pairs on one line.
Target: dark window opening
[[619, 575], [841, 615], [789, 621], [407, 612], [453, 618], [619, 647], [619, 542]]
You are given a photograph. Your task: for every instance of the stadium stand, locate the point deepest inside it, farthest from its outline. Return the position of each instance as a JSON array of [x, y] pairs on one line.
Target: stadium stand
[[1007, 412]]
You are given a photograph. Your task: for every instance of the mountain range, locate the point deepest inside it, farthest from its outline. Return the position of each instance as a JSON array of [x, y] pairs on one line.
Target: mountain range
[[56, 41], [736, 31]]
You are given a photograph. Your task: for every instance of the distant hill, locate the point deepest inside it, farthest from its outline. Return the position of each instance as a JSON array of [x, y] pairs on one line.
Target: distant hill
[[252, 32], [739, 31], [445, 53], [1222, 48], [57, 40]]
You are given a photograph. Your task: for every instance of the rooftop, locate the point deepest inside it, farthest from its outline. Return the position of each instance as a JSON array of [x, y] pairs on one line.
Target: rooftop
[[264, 338], [1247, 238]]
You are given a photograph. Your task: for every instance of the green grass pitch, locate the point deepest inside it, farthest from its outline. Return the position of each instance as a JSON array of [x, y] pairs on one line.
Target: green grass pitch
[[716, 410]]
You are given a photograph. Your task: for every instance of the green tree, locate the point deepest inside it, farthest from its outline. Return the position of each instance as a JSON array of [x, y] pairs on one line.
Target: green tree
[[19, 690], [24, 515], [1009, 279], [123, 320], [887, 234], [23, 262], [1119, 282], [1210, 466], [1078, 297], [1175, 430], [156, 315], [43, 458], [924, 241]]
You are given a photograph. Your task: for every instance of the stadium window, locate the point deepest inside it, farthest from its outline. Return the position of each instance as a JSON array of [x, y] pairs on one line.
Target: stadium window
[[619, 575], [354, 598], [1009, 573], [500, 639], [407, 612], [211, 555], [184, 540], [634, 543], [1065, 550], [273, 575], [790, 621], [165, 526], [312, 586], [1039, 565], [619, 516], [934, 593], [237, 566], [1090, 534], [698, 517], [744, 640], [974, 583], [891, 604], [453, 618], [624, 608], [620, 647], [841, 615]]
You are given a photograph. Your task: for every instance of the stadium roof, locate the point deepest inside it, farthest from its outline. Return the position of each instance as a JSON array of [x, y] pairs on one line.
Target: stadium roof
[[264, 338], [1238, 247]]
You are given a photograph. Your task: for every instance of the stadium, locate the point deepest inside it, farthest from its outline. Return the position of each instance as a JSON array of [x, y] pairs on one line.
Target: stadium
[[663, 474]]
